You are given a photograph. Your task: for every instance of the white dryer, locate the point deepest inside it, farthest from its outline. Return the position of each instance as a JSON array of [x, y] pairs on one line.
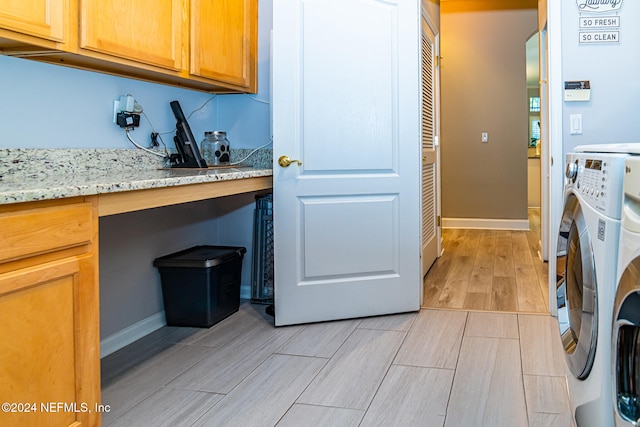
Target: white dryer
[[625, 360], [588, 242]]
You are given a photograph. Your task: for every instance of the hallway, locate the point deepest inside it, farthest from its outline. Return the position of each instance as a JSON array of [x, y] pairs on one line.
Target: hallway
[[497, 270]]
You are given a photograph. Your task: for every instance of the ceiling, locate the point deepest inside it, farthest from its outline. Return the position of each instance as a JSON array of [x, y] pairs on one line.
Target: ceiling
[[492, 4]]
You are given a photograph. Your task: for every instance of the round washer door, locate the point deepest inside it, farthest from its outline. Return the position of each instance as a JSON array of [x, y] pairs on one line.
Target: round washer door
[[576, 290], [625, 357]]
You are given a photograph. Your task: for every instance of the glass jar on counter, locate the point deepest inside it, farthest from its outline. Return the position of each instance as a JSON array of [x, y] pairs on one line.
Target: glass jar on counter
[[215, 148]]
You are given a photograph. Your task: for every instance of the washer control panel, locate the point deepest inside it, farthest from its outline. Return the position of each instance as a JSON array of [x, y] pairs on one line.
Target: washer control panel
[[597, 177]]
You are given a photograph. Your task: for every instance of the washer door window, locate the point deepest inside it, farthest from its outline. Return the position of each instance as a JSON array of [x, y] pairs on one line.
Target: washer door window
[[576, 290], [626, 344]]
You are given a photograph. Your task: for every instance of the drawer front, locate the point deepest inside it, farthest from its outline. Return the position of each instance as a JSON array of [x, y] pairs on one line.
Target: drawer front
[[41, 230]]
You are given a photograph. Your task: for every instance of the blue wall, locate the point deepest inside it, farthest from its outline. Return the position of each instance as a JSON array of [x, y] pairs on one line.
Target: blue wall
[[51, 106]]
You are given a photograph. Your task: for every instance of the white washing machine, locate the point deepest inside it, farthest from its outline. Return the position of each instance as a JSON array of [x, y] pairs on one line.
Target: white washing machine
[[588, 242], [625, 342]]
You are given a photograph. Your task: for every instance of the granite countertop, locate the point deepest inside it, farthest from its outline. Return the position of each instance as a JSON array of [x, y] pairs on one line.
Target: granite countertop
[[42, 174]]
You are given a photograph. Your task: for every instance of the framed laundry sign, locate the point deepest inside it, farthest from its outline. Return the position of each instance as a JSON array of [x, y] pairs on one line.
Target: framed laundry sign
[[599, 6], [599, 21]]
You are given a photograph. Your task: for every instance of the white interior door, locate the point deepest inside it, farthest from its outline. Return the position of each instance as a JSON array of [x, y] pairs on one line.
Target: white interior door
[[431, 230], [346, 103]]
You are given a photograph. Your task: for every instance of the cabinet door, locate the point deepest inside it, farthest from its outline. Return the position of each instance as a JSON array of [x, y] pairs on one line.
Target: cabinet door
[[147, 31], [224, 38], [49, 373], [44, 19]]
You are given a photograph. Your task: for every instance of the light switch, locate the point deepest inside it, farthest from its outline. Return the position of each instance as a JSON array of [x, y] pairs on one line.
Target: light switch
[[575, 124], [485, 137]]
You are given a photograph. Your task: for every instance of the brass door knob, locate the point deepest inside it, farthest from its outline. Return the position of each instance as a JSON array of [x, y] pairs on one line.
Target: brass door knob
[[285, 161]]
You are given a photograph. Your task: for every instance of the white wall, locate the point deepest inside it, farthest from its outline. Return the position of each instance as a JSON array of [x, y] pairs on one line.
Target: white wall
[[613, 70], [533, 183], [432, 9]]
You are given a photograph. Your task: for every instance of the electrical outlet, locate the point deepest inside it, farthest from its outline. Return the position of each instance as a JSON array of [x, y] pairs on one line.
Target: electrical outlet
[[127, 104], [485, 137]]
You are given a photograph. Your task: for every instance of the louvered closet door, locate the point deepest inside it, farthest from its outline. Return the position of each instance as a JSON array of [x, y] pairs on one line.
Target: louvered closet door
[[430, 172]]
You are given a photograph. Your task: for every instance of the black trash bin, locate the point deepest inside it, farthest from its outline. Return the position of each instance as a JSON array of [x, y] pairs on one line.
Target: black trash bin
[[201, 285]]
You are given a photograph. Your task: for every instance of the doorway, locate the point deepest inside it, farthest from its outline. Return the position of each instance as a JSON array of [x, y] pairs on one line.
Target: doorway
[[491, 239]]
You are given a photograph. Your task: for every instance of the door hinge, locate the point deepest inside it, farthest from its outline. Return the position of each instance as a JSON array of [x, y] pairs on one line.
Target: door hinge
[[438, 220], [437, 59]]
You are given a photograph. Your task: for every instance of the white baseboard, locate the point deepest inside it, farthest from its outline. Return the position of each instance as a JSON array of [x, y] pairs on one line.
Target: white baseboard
[[492, 224], [144, 327], [132, 333]]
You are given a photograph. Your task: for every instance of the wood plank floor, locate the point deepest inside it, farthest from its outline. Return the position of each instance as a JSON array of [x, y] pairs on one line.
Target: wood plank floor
[[437, 367], [492, 270]]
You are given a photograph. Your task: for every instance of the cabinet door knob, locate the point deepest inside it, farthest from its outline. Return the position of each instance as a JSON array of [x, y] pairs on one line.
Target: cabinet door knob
[[285, 161]]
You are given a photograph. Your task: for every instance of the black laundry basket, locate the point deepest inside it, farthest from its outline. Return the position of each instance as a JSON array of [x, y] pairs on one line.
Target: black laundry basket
[[201, 285]]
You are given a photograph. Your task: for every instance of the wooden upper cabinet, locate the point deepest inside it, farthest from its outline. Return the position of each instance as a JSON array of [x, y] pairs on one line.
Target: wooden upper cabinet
[[42, 19], [147, 31], [208, 45], [224, 38]]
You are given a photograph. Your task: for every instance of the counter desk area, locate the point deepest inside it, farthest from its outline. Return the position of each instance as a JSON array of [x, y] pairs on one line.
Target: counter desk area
[[50, 203]]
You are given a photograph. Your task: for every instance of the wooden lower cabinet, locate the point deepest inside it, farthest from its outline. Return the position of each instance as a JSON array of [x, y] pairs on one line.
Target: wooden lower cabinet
[[49, 315]]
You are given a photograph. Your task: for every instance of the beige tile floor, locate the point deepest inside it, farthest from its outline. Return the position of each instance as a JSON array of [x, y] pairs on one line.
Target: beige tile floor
[[432, 368]]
